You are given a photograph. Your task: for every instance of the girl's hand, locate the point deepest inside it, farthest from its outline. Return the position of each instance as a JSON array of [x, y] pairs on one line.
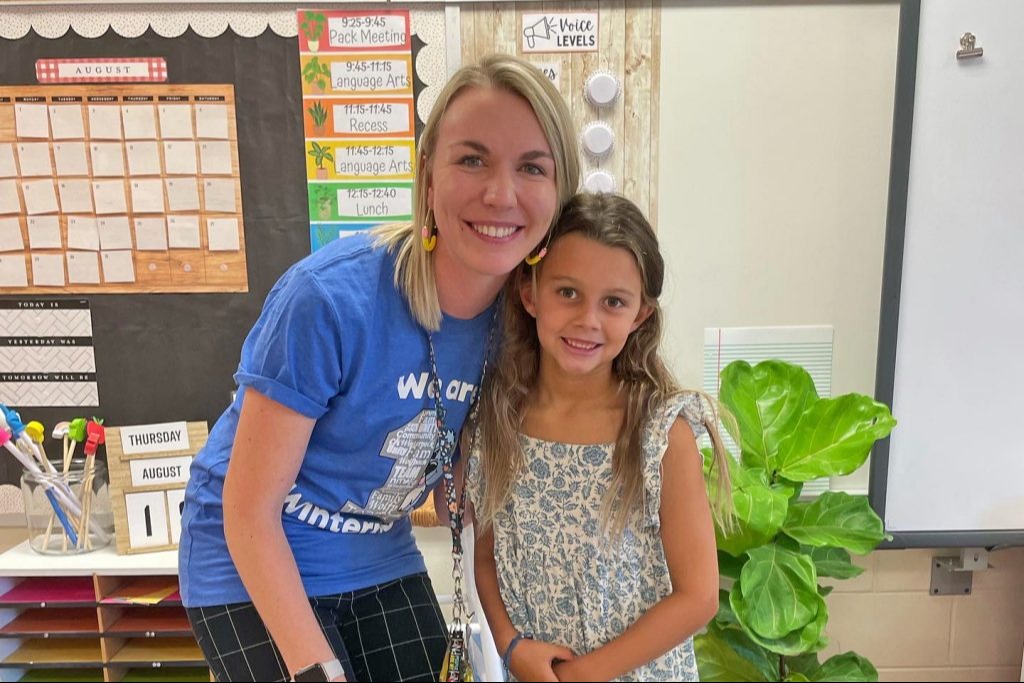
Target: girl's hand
[[532, 660], [573, 671]]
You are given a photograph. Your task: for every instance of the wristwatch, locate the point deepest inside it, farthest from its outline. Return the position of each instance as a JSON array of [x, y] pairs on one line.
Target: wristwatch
[[321, 671]]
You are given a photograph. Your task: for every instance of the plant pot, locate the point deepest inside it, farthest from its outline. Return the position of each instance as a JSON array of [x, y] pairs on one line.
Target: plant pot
[[321, 174], [314, 45], [324, 212]]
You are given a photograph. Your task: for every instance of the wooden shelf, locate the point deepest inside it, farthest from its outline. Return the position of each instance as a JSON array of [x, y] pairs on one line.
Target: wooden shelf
[[166, 651], [65, 653], [53, 623], [117, 618], [51, 592], [145, 590], [150, 622]]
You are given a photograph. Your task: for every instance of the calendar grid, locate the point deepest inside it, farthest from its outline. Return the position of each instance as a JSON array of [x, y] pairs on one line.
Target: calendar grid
[[120, 189]]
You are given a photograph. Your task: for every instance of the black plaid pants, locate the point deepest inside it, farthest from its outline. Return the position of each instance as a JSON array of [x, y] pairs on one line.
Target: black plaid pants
[[390, 632]]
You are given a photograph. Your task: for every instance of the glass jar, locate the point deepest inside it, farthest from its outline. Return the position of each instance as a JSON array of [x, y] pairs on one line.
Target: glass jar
[[68, 513]]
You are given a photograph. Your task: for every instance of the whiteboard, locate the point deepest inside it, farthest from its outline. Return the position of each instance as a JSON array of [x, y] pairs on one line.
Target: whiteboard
[[951, 350]]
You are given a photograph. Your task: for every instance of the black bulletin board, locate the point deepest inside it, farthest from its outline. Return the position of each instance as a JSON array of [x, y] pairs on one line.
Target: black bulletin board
[[170, 357]]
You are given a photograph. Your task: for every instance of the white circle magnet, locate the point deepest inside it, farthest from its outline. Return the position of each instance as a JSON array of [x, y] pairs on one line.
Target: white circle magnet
[[602, 89], [599, 181], [598, 138]]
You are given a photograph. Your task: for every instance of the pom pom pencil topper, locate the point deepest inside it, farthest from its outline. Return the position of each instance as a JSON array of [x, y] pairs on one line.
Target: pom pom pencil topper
[[95, 435], [22, 440], [60, 431], [37, 433], [76, 433]]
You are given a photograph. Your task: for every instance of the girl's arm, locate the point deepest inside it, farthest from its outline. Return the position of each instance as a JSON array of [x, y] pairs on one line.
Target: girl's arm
[[531, 659], [688, 536], [270, 443]]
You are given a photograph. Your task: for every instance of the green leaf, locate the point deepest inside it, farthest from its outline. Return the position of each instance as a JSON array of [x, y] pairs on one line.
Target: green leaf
[[767, 663], [810, 638], [767, 401], [795, 488], [787, 543], [848, 666], [776, 593], [797, 678], [718, 658], [725, 617], [835, 519], [758, 511], [729, 566], [758, 514], [833, 562], [803, 664], [834, 437]]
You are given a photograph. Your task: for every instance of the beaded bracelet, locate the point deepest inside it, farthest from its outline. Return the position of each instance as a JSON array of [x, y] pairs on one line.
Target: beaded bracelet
[[508, 651]]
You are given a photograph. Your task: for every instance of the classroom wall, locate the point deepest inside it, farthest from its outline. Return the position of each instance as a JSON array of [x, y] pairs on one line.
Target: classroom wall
[[776, 126], [887, 615], [629, 35]]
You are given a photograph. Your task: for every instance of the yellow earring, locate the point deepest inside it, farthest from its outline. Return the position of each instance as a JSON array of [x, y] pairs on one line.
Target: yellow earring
[[534, 260], [427, 234]]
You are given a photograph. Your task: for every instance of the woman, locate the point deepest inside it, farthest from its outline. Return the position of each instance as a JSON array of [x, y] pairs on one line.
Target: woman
[[297, 556]]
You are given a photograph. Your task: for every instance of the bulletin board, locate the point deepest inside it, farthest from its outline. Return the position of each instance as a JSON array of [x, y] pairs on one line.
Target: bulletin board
[[120, 189], [174, 353]]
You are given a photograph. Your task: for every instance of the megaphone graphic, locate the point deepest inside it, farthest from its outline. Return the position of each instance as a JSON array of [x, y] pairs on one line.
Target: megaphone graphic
[[539, 30]]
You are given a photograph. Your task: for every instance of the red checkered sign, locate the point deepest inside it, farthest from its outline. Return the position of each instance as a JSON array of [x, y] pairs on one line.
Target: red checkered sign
[[102, 70]]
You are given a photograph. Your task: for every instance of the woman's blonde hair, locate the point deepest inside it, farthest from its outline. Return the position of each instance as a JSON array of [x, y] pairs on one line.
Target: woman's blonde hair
[[414, 271], [615, 222]]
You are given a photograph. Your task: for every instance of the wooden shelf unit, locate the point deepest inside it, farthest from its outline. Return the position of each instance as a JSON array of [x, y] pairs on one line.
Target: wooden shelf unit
[[94, 617]]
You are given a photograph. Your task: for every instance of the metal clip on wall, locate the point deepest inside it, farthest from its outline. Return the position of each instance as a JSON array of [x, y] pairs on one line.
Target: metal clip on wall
[[954, 575]]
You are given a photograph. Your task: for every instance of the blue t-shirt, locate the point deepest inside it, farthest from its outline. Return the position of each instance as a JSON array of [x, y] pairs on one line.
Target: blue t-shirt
[[336, 342]]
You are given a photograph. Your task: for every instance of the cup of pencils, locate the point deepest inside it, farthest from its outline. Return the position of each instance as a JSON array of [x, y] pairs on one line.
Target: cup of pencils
[[68, 511], [67, 503]]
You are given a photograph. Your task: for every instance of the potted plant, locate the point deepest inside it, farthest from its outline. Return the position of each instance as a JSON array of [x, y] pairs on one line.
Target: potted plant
[[324, 202], [320, 154], [771, 620], [318, 115], [317, 75], [312, 26]]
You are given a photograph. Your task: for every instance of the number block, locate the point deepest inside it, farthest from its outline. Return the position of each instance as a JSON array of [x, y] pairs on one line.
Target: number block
[[149, 466]]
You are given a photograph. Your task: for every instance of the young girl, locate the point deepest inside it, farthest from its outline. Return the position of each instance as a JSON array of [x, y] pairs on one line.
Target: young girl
[[596, 556]]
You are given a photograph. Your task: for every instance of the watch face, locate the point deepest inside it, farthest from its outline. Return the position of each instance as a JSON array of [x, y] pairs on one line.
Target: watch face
[[312, 673]]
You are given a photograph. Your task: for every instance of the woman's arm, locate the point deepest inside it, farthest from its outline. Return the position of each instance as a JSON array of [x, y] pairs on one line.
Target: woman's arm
[[270, 444], [688, 536]]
